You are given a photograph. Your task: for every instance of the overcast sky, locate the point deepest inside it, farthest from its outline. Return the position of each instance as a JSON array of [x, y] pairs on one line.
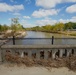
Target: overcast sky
[[37, 12]]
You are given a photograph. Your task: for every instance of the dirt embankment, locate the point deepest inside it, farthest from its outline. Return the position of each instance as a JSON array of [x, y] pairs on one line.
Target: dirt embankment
[[69, 62]]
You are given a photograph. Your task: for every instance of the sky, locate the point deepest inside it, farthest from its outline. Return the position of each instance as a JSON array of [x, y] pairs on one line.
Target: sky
[[37, 12]]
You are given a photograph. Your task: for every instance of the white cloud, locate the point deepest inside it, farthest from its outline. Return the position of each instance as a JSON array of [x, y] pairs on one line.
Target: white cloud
[[52, 22], [73, 19], [9, 19], [26, 24], [44, 13], [64, 20], [45, 21], [51, 3], [26, 17], [69, 1], [47, 3], [13, 1], [5, 7], [17, 14], [71, 9]]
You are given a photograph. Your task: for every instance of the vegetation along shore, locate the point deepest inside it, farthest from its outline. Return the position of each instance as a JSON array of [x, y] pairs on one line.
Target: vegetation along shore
[[60, 28]]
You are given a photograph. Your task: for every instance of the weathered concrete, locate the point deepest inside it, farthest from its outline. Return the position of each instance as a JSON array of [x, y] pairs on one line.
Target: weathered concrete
[[61, 52], [39, 46], [38, 54], [74, 51], [0, 56], [22, 54], [55, 50], [30, 53], [69, 52], [54, 53], [45, 54]]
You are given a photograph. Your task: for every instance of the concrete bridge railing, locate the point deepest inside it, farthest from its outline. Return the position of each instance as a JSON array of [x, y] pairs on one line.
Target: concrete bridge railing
[[38, 51]]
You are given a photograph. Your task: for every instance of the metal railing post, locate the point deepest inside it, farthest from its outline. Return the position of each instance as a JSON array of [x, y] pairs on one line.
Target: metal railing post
[[13, 40], [52, 40]]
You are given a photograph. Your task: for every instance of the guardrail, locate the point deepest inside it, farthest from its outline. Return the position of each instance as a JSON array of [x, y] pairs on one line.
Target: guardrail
[[20, 38]]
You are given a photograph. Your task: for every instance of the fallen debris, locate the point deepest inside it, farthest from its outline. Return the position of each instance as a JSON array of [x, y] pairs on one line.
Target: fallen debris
[[69, 62]]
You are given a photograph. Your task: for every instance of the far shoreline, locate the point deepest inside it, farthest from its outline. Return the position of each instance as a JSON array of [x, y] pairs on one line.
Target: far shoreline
[[70, 33]]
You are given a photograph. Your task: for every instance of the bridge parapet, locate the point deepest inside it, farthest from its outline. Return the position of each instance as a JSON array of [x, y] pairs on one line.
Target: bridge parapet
[[38, 51]]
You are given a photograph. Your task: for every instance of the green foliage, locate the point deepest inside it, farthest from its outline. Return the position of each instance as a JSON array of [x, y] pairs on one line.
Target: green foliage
[[16, 26], [4, 27], [68, 26], [54, 28]]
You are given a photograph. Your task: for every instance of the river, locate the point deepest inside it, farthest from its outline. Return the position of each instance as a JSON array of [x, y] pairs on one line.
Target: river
[[33, 34]]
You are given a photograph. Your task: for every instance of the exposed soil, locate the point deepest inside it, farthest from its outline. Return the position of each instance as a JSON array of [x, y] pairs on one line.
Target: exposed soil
[[69, 62]]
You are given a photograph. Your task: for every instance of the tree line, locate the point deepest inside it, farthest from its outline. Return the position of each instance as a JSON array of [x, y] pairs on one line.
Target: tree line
[[54, 28], [4, 27], [16, 26]]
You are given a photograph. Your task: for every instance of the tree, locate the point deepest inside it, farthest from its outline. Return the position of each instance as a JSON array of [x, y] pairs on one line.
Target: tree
[[16, 26], [68, 26], [14, 23]]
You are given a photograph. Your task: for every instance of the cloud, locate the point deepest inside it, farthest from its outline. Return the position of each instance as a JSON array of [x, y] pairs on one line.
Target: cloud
[[47, 3], [73, 19], [45, 21], [26, 17], [9, 19], [71, 9], [16, 14], [26, 24], [69, 0], [52, 22], [13, 1], [44, 13], [11, 8], [51, 3]]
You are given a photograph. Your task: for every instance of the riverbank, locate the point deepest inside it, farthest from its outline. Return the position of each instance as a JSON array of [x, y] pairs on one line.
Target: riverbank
[[21, 34], [70, 33], [7, 69], [9, 33]]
